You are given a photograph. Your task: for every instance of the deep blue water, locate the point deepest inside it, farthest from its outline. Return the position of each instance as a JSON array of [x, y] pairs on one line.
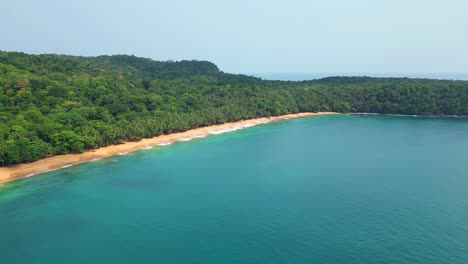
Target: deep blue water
[[331, 189]]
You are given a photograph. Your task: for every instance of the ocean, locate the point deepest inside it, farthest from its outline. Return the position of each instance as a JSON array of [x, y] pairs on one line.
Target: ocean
[[327, 189]]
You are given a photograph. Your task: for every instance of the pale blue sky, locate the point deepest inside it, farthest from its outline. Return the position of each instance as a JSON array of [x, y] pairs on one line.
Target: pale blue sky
[[246, 36]]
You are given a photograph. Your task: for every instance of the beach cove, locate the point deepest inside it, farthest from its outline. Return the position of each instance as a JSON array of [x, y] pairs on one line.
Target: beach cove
[[12, 173], [328, 189]]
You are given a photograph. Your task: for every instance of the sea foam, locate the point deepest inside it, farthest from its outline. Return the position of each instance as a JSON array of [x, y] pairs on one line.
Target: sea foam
[[249, 125], [185, 139], [263, 122], [226, 130]]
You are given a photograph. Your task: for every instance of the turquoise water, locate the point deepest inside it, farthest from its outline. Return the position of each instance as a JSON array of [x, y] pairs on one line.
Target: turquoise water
[[332, 189]]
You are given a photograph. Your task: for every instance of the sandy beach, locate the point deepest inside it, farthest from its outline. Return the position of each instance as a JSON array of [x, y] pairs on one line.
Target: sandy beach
[[8, 174]]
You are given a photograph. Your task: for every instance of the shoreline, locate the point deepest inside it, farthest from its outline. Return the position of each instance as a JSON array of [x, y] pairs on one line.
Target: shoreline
[[8, 174]]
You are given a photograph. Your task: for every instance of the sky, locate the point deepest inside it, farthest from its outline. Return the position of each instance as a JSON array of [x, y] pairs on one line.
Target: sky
[[250, 36]]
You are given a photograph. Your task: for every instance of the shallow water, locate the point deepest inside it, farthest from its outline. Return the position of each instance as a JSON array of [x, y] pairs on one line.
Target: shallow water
[[330, 189]]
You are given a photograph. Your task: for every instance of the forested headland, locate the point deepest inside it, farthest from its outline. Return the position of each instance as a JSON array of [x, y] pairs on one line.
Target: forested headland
[[57, 104]]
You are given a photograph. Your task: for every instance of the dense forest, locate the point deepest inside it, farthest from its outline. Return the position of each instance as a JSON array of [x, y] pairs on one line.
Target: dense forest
[[56, 104]]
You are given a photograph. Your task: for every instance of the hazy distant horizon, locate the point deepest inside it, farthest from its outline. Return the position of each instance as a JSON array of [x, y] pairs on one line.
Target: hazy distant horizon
[[302, 76], [250, 35]]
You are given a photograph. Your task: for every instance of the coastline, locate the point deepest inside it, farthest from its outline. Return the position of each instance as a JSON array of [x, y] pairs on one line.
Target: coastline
[[8, 174]]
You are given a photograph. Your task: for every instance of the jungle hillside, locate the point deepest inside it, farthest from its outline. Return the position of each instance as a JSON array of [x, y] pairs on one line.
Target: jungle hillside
[[57, 104]]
